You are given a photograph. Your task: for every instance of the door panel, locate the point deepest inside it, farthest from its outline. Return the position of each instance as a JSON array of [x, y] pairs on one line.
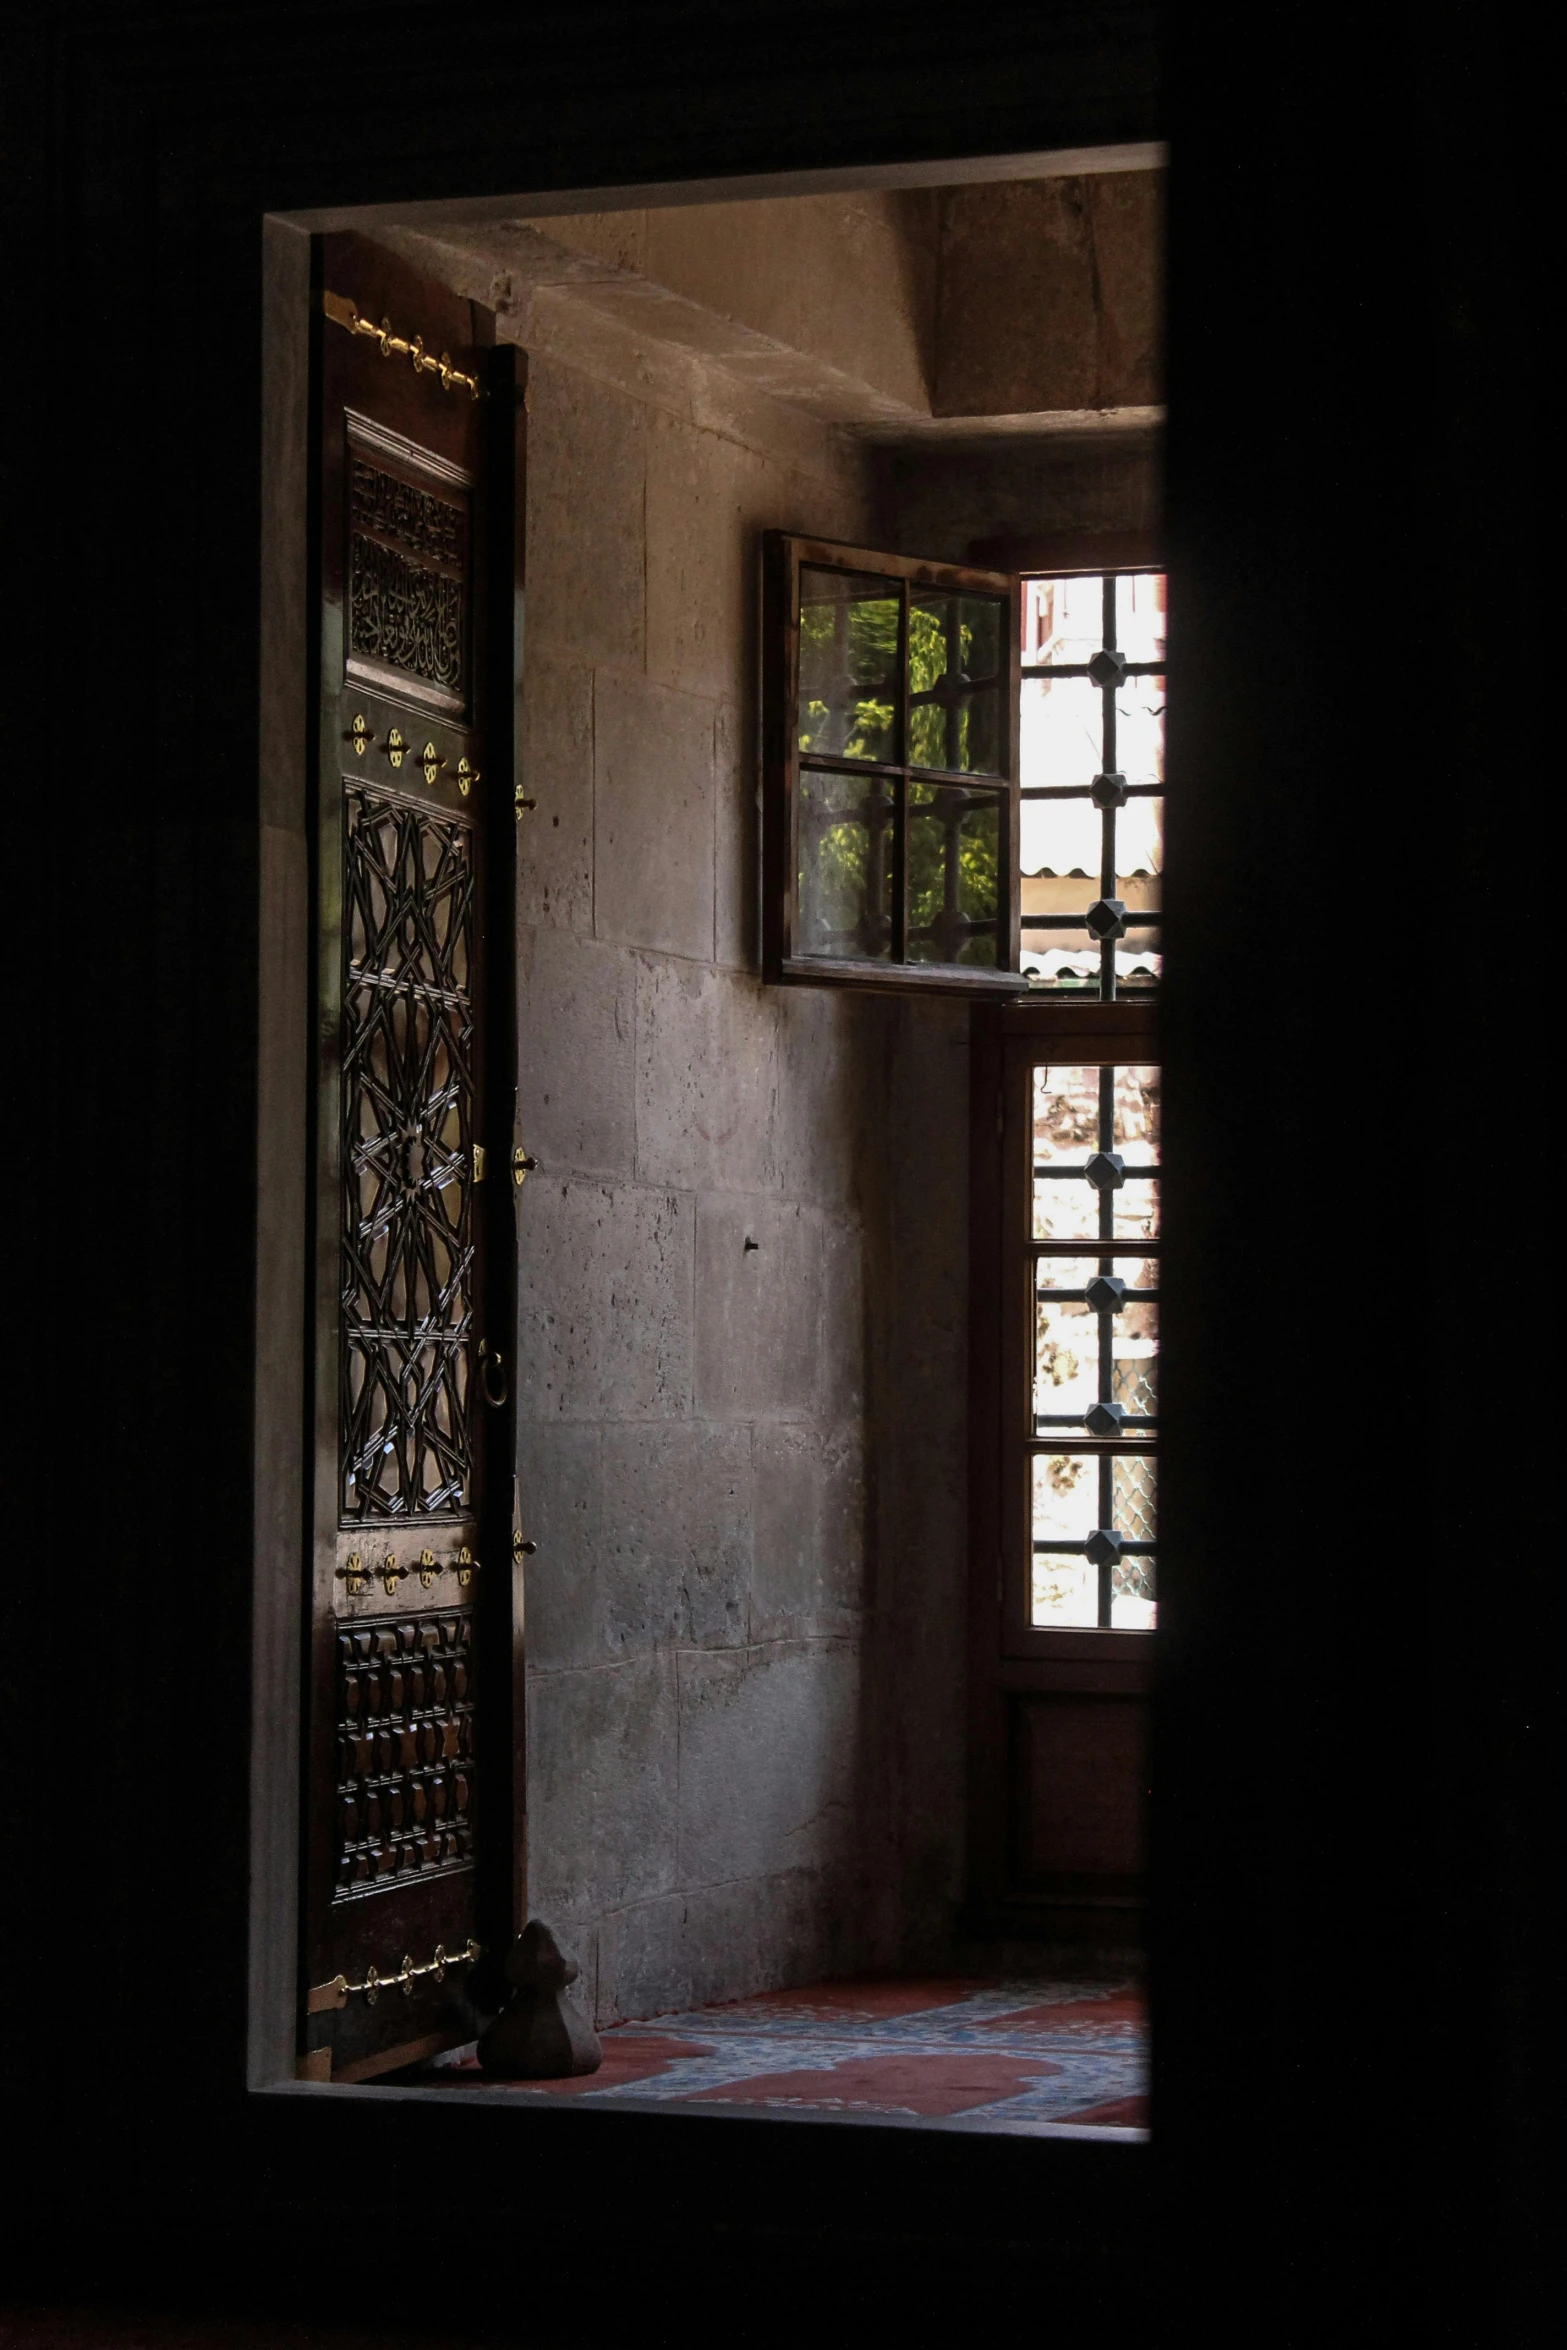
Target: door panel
[[410, 1605]]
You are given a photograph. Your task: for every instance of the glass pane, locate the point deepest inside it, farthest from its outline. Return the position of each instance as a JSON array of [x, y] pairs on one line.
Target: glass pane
[[1063, 839], [1139, 731], [954, 857], [845, 879], [1070, 1327], [1061, 736], [1084, 1119], [1069, 960], [955, 680], [1134, 1491], [1063, 619], [1064, 1585], [1073, 1494], [1139, 615], [848, 665]]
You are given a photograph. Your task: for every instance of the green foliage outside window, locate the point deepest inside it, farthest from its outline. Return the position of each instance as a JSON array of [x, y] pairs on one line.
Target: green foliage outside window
[[848, 670], [845, 869], [948, 825], [969, 626]]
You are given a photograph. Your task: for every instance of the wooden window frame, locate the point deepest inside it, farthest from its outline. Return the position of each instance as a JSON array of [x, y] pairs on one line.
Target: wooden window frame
[[783, 557], [1013, 1663], [1028, 1037]]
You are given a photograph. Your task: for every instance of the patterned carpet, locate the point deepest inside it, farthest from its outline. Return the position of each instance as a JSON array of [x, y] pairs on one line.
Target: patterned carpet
[[951, 2052]]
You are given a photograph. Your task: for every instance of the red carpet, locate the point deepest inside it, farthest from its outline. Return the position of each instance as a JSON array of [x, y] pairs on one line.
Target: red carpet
[[1023, 2054]]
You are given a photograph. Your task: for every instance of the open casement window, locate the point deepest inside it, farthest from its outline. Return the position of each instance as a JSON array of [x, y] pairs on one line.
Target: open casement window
[[890, 735]]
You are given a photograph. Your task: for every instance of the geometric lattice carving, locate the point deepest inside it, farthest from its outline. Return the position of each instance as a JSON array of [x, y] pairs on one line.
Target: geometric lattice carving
[[407, 1135], [404, 1751]]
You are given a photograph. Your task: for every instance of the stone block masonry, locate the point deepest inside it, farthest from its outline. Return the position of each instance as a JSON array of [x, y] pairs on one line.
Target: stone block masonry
[[715, 1445]]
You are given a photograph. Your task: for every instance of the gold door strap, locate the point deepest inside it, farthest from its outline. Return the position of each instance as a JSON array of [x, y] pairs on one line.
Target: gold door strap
[[340, 1990], [343, 312]]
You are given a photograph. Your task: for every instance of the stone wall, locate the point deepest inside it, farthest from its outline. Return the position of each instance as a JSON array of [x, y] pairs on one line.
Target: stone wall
[[1013, 301], [1051, 296], [743, 1269], [934, 498]]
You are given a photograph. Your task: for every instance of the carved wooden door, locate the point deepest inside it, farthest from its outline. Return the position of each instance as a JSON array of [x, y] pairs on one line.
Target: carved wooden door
[[408, 1796]]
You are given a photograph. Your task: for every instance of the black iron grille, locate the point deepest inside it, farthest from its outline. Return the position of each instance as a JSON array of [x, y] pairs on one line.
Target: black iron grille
[[1107, 919], [1095, 1209]]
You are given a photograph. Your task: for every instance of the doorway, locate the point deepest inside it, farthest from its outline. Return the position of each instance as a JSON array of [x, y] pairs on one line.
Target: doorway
[[743, 1302]]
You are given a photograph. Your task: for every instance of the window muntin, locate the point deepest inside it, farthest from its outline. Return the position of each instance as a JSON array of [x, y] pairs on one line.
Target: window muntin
[[1093, 1255], [891, 732], [1091, 763]]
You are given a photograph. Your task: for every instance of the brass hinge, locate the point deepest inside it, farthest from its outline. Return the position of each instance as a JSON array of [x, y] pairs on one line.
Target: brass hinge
[[325, 1996], [345, 313]]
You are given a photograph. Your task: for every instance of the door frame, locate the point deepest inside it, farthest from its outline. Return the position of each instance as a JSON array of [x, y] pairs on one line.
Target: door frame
[[283, 1179]]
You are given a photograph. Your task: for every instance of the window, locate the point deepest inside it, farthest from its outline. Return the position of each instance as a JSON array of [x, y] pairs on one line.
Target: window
[[1093, 1253], [890, 770], [1081, 1400], [1065, 1250], [1092, 757], [1063, 1427]]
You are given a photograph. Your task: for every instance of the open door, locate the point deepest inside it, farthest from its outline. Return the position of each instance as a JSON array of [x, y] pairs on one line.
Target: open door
[[412, 1829]]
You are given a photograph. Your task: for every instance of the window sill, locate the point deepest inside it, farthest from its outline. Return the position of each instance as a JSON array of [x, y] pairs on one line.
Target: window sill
[[897, 978]]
